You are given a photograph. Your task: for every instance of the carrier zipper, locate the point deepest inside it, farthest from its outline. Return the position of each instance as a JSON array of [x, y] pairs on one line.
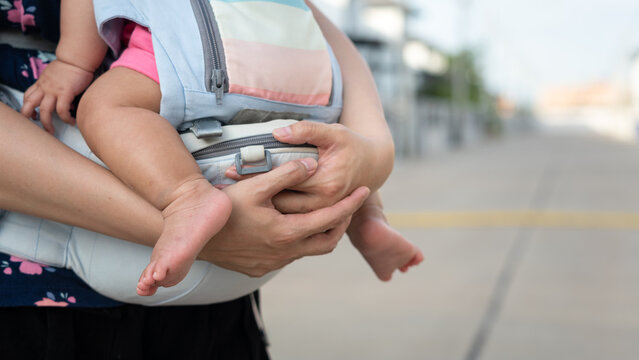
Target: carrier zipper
[[233, 146], [216, 79]]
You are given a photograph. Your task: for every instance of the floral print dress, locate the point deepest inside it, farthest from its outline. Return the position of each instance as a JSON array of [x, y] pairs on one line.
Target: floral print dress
[[32, 16], [23, 282], [19, 68], [26, 283]]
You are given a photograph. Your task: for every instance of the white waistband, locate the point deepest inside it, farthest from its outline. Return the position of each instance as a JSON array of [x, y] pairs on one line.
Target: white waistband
[[232, 132]]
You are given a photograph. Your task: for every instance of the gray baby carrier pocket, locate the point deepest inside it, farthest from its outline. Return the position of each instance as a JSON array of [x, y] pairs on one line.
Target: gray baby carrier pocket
[[251, 148]]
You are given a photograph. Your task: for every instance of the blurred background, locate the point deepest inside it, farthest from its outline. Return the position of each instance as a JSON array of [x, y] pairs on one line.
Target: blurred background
[[516, 125]]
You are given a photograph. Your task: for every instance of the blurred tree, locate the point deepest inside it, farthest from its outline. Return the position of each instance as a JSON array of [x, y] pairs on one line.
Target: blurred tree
[[475, 94], [440, 86]]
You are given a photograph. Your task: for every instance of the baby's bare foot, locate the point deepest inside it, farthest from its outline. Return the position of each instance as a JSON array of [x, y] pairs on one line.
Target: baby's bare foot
[[194, 217], [385, 249]]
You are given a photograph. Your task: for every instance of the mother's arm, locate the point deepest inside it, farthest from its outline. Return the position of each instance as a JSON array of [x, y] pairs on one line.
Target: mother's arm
[[40, 176]]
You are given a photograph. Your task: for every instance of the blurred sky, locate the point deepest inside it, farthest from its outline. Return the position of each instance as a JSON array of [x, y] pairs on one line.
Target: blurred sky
[[528, 45]]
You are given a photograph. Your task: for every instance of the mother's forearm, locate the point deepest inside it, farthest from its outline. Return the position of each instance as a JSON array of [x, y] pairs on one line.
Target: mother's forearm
[[42, 177]]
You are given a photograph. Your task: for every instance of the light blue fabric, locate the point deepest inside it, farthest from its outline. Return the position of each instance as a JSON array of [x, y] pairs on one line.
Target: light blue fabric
[[180, 60]]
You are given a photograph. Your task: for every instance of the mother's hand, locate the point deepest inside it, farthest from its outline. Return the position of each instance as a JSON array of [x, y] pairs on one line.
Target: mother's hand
[[346, 160], [258, 239]]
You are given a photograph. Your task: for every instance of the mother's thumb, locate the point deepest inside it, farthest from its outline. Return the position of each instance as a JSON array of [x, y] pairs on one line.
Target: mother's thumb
[[318, 134]]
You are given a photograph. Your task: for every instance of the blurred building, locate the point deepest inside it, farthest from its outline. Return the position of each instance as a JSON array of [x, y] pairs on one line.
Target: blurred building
[[609, 107], [599, 94], [379, 30], [603, 107], [506, 108], [401, 62], [633, 90]]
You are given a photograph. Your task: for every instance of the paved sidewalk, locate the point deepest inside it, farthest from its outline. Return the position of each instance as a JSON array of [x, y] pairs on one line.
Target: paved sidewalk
[[490, 288]]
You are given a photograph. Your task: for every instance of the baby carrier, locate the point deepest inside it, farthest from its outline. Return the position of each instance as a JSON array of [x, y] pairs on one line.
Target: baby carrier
[[230, 71]]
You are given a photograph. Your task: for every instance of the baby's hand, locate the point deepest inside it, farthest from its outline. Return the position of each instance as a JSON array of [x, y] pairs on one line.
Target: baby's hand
[[57, 86]]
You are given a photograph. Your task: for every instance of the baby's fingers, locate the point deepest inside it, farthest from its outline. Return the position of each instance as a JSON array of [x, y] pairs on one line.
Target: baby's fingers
[[63, 108], [46, 108], [32, 98]]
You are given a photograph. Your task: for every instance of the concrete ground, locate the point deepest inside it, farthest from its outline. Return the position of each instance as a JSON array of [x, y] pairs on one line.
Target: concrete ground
[[532, 252]]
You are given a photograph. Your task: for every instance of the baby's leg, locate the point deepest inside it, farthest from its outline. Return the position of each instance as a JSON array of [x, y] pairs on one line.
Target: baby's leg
[[118, 117], [383, 247]]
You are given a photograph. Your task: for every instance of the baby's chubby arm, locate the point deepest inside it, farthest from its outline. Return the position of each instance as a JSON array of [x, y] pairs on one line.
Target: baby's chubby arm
[[79, 53]]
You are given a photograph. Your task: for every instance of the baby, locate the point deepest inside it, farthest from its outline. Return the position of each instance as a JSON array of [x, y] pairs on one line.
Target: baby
[[144, 151]]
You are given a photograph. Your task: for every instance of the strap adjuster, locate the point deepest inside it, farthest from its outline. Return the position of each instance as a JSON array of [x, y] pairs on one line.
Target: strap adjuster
[[251, 154], [201, 128]]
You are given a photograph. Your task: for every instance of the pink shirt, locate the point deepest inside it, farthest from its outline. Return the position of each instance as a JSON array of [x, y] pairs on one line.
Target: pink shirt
[[139, 54]]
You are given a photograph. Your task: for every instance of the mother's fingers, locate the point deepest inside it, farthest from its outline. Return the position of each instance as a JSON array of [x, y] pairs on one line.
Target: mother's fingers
[[232, 174], [324, 242], [316, 244], [318, 134], [327, 218], [296, 202], [292, 173]]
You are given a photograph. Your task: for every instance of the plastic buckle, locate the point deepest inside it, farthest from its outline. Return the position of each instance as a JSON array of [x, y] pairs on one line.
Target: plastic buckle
[[206, 127], [253, 169]]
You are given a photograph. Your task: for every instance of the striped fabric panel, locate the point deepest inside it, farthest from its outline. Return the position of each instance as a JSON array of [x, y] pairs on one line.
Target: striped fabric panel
[[294, 3], [275, 50], [288, 81], [269, 23]]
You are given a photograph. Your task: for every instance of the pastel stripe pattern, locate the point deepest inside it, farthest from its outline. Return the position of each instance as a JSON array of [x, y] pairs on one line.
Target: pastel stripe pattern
[[269, 23], [275, 50], [294, 3]]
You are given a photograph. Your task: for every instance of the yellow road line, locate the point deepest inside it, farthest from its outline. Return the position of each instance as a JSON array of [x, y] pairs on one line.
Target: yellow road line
[[510, 219]]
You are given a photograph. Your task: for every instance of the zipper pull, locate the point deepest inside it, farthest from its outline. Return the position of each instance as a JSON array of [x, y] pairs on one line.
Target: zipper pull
[[219, 78]]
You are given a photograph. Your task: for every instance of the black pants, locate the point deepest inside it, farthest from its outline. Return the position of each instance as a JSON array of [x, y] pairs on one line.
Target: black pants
[[33, 16], [19, 68], [220, 331]]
